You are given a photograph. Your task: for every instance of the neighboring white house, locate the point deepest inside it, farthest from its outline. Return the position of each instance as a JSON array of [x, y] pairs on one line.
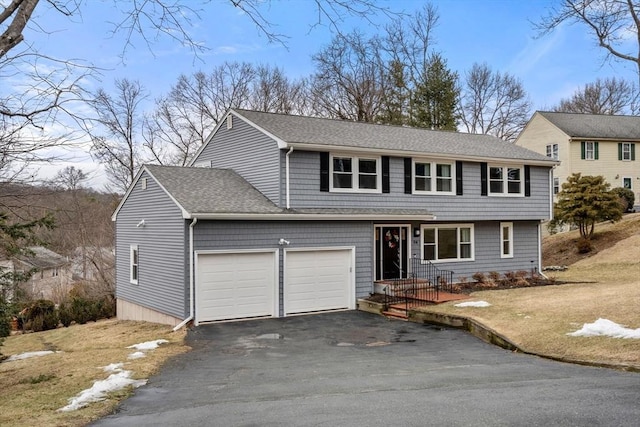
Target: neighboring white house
[[587, 143]]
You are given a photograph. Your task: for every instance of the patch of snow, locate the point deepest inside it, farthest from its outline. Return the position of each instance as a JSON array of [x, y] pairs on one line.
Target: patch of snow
[[473, 304], [30, 354], [99, 390], [149, 345], [269, 337], [113, 367], [137, 355], [604, 327]]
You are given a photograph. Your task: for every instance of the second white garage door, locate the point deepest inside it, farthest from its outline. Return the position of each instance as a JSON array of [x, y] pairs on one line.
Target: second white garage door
[[316, 280]]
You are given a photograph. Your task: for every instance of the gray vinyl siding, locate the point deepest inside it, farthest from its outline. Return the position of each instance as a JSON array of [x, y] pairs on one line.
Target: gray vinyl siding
[[163, 275], [471, 206], [247, 151], [227, 235], [487, 249]]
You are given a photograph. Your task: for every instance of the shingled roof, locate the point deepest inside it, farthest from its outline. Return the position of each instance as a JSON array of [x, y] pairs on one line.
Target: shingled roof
[[595, 126], [206, 190], [316, 132]]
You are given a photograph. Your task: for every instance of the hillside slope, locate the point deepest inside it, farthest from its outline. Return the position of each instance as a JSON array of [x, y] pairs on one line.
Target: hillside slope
[[619, 240]]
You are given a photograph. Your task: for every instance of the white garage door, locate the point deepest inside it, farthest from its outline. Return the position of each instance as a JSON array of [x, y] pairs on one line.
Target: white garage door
[[236, 285], [318, 280]]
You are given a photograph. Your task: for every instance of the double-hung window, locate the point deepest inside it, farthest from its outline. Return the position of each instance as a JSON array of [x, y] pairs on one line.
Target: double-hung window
[[505, 180], [627, 151], [352, 173], [506, 240], [556, 185], [433, 177], [447, 242], [552, 151], [134, 264], [590, 150]]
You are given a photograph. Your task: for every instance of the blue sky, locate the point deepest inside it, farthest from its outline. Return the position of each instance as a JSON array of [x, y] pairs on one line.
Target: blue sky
[[498, 32]]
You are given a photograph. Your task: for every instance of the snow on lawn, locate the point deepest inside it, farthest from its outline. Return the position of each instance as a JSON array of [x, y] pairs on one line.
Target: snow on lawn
[[118, 380], [149, 345], [604, 327], [29, 355], [473, 304]]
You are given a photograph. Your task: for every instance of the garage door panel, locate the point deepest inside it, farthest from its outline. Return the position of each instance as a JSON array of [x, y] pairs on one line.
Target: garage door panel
[[317, 280], [235, 285]]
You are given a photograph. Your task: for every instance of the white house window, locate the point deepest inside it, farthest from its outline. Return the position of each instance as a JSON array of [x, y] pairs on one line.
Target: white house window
[[552, 151], [505, 180], [351, 173], [433, 177], [626, 183], [55, 272], [626, 151], [134, 264], [447, 242], [506, 240], [556, 185], [589, 150]]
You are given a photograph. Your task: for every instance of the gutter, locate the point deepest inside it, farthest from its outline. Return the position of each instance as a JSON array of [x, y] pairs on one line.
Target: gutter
[[287, 174], [191, 279]]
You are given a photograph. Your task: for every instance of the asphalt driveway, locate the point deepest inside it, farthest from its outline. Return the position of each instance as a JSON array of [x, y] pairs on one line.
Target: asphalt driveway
[[355, 368]]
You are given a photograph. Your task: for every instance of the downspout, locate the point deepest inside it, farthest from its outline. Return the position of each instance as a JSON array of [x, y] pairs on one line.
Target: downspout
[[287, 175], [191, 279]]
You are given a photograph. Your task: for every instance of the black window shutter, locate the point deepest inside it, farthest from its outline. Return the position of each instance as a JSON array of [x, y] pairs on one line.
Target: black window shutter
[[633, 152], [385, 174], [527, 181], [458, 178], [595, 149], [324, 171], [483, 179], [583, 150], [619, 150], [408, 175]]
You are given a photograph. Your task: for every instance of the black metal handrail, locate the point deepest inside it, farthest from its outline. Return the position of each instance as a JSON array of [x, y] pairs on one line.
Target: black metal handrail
[[422, 287]]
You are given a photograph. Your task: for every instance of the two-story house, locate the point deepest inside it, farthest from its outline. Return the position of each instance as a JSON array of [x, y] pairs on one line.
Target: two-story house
[[282, 215], [589, 144]]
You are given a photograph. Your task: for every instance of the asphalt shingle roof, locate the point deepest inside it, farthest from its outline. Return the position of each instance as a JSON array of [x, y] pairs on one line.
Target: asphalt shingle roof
[[595, 126], [206, 190], [344, 133]]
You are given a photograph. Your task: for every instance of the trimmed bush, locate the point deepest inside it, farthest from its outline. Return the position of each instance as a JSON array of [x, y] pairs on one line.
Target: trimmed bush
[[40, 315], [584, 246], [626, 196]]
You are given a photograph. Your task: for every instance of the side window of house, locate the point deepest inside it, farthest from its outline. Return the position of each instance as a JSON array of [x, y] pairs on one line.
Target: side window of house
[[626, 183], [552, 151], [556, 185], [134, 264], [626, 151], [506, 240], [589, 150], [447, 242], [505, 180]]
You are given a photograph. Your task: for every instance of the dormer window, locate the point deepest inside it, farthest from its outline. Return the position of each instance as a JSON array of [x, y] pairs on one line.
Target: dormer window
[[354, 173]]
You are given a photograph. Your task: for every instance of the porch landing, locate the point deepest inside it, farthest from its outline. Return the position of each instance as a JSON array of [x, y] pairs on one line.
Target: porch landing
[[399, 310]]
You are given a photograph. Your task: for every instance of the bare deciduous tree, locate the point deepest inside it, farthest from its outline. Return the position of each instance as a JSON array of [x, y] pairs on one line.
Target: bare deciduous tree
[[115, 139], [608, 96], [272, 91], [493, 103], [611, 22]]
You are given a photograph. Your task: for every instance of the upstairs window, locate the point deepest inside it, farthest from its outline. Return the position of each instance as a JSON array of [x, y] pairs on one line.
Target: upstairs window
[[505, 180], [626, 151], [352, 173], [433, 177], [552, 151], [589, 150]]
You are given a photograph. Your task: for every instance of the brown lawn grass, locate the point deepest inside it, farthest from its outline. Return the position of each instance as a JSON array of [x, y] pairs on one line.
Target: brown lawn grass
[[607, 285], [31, 390]]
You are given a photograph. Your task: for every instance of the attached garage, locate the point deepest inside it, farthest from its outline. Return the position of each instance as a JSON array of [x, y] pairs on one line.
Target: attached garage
[[319, 279], [236, 285]]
